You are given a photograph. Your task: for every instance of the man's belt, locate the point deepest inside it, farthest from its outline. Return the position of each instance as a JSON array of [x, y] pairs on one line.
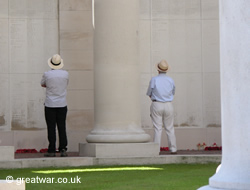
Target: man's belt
[[159, 101]]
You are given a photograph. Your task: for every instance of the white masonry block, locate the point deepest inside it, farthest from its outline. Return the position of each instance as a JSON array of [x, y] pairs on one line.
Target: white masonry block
[[10, 184], [111, 150], [7, 153]]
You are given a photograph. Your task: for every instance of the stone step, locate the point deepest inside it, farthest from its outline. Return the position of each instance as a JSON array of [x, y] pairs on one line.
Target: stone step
[[93, 161]]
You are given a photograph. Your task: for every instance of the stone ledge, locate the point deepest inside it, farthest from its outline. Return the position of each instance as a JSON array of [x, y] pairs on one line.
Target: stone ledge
[[91, 161], [169, 159]]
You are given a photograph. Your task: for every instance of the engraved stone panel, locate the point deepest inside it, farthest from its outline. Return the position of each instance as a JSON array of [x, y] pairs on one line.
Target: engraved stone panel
[[185, 45], [4, 8], [4, 46], [160, 40], [42, 44], [32, 42], [18, 93], [211, 99], [18, 45], [45, 9], [27, 98], [175, 9], [186, 34], [145, 9], [210, 9], [4, 102], [210, 46], [179, 42], [75, 5], [33, 39], [188, 99]]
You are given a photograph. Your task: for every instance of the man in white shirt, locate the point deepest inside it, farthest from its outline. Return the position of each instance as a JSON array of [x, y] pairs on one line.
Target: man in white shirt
[[161, 90], [55, 81]]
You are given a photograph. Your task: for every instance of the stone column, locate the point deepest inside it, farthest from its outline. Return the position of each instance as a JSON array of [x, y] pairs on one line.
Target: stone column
[[234, 172], [116, 81]]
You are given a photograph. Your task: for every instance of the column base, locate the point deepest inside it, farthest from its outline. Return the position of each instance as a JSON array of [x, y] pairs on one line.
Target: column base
[[118, 138], [116, 150]]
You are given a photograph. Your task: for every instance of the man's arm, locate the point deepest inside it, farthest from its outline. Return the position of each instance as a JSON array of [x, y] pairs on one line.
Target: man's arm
[[173, 89], [43, 83], [149, 91]]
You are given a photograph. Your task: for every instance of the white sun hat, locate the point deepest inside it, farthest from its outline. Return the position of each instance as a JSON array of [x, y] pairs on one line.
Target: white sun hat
[[55, 62], [162, 66]]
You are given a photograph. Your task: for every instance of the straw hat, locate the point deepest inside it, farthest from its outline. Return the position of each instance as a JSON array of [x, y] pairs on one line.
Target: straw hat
[[55, 62], [163, 66]]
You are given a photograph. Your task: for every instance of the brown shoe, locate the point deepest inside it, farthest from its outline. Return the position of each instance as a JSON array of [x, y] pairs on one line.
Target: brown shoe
[[49, 154], [174, 152], [63, 153]]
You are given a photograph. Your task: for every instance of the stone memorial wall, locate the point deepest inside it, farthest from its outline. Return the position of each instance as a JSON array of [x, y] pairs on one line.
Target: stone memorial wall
[[29, 35], [184, 32]]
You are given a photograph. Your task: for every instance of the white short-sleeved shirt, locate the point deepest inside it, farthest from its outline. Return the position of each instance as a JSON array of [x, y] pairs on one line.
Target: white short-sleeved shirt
[[56, 82]]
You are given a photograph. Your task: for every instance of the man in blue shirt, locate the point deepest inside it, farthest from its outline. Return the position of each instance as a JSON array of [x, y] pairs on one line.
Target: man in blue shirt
[[161, 91], [55, 81]]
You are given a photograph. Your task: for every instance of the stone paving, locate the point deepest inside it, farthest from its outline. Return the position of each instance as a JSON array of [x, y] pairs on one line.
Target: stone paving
[[76, 154]]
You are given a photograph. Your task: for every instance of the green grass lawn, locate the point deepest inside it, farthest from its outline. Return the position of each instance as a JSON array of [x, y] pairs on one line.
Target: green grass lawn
[[153, 177]]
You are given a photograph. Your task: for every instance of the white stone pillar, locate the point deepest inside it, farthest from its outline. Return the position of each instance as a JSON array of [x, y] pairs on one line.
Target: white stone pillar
[[235, 92], [116, 81]]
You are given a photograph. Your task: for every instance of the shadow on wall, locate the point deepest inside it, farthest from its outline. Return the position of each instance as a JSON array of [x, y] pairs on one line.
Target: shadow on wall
[[18, 126], [2, 120]]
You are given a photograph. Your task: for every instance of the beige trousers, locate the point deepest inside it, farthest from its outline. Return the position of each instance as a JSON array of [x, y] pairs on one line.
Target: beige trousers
[[162, 114]]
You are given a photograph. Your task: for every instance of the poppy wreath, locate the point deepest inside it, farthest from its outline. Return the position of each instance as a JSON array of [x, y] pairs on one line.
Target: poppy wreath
[[31, 150], [213, 147], [26, 151], [164, 149]]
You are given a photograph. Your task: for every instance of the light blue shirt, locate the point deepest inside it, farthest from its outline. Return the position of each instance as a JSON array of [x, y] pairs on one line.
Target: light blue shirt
[[161, 88], [56, 82]]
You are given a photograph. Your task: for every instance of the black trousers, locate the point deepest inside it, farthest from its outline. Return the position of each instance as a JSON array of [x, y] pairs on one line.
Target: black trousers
[[56, 117]]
